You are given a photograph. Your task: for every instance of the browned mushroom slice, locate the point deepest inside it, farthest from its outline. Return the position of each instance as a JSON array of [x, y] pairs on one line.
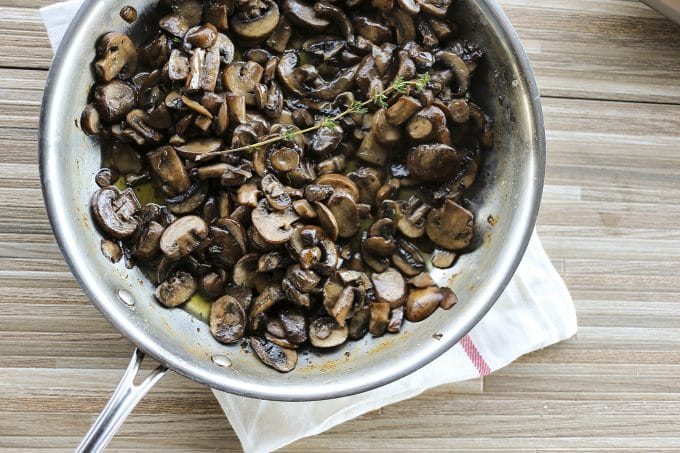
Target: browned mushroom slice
[[115, 212], [450, 226], [358, 324], [148, 245], [117, 57], [183, 236], [313, 249], [294, 324], [169, 170], [247, 195], [325, 140], [433, 162], [270, 261], [136, 119], [390, 287], [174, 24], [372, 151], [329, 90], [178, 65], [422, 280], [326, 333], [245, 271], [188, 201], [441, 29], [236, 106], [421, 303], [443, 259], [412, 216], [373, 30], [278, 40], [334, 164], [402, 110], [228, 241], [384, 132], [256, 24], [459, 111], [396, 319], [337, 17], [449, 298], [314, 192], [217, 13], [114, 100], [346, 214], [379, 246], [427, 124], [176, 290], [267, 298], [275, 227], [203, 36], [274, 356], [125, 159], [341, 185], [275, 192], [380, 318], [242, 77], [303, 15], [404, 27], [90, 120], [375, 263], [326, 220], [227, 320], [304, 209], [459, 68], [408, 259], [191, 150], [111, 250], [324, 46], [284, 159]]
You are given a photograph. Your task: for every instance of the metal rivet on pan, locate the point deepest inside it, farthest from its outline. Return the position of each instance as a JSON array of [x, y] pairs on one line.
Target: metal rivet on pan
[[221, 360], [126, 297]]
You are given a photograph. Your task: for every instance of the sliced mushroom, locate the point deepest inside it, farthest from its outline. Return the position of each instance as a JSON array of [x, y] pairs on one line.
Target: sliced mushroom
[[325, 140], [390, 287], [379, 246], [372, 151], [346, 214], [227, 320], [449, 299], [217, 13], [125, 159], [312, 247], [396, 319], [245, 271], [327, 220], [433, 162], [274, 356], [408, 259], [258, 23], [203, 36], [459, 68], [169, 170], [278, 40], [443, 259], [304, 209], [174, 24], [330, 90], [275, 192], [90, 120], [340, 307], [242, 77], [136, 119], [195, 148], [326, 333], [314, 192], [183, 236], [111, 250], [274, 226], [114, 100], [303, 15], [421, 303], [270, 261], [176, 290], [450, 226], [236, 107], [404, 27], [427, 124], [375, 263], [117, 57], [247, 195], [189, 201], [115, 212], [384, 132], [411, 218], [422, 280], [380, 318], [337, 17], [373, 30], [402, 110], [228, 241], [341, 184], [294, 325]]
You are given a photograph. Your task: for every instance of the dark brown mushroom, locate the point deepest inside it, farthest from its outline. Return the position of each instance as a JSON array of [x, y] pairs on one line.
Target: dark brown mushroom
[[368, 182], [90, 120], [136, 119], [402, 110], [337, 17], [274, 356], [254, 25], [421, 303], [404, 27], [236, 107], [450, 226], [326, 333], [346, 214], [275, 226], [341, 184], [115, 212], [379, 246], [176, 290], [169, 170], [380, 318], [411, 218], [329, 90], [327, 220], [358, 324], [459, 111], [188, 201], [270, 261], [433, 162], [390, 287], [278, 40], [174, 24], [427, 124], [304, 209], [217, 13], [384, 132], [408, 259], [459, 68], [245, 271], [114, 100], [194, 148], [227, 320], [443, 259], [275, 193], [203, 36], [229, 241], [372, 151], [303, 15], [325, 140], [128, 14], [242, 77], [117, 57], [449, 299], [183, 236], [371, 29], [125, 159]]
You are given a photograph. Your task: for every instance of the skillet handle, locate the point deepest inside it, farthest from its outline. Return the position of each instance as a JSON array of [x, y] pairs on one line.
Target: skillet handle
[[122, 402]]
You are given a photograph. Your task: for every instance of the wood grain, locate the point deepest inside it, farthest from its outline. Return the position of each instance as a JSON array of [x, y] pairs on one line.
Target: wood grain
[[608, 71]]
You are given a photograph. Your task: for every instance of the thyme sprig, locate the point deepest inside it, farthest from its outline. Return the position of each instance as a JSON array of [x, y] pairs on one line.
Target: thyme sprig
[[379, 99]]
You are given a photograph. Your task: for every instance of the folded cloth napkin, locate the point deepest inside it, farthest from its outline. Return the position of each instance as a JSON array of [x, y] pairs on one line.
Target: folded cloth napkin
[[534, 311]]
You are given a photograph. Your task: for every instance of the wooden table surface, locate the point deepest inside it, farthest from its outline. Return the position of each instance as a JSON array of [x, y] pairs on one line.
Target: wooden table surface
[[609, 73]]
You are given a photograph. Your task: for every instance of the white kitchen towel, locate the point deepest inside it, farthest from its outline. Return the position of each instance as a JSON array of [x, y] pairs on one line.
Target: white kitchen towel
[[533, 312]]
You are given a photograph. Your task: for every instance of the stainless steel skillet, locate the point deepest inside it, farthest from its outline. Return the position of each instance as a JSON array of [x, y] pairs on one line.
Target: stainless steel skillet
[[509, 190]]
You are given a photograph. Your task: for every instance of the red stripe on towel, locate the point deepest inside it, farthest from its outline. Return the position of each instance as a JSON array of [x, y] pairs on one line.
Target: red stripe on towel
[[474, 355]]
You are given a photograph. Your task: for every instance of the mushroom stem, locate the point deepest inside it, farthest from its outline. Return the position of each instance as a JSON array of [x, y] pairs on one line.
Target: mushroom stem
[[400, 86]]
